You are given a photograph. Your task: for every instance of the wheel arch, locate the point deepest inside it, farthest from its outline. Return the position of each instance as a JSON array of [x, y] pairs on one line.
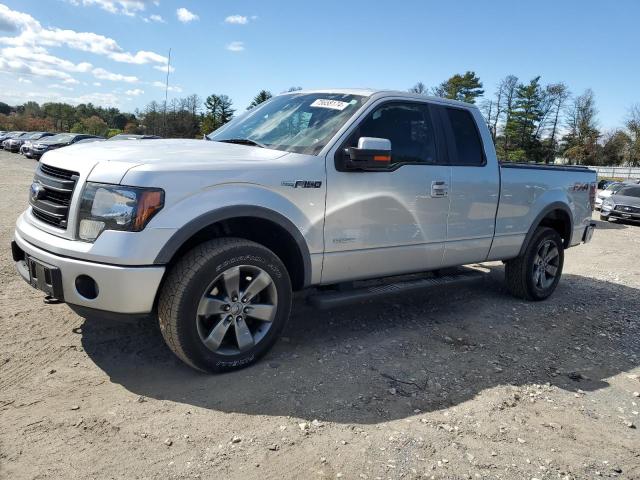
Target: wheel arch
[[259, 224], [556, 215]]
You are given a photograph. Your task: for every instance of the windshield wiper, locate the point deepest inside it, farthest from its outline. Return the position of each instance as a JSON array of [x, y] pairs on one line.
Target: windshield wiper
[[243, 141]]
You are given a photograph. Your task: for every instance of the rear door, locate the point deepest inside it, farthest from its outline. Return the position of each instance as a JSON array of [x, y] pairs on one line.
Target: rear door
[[392, 221], [474, 189]]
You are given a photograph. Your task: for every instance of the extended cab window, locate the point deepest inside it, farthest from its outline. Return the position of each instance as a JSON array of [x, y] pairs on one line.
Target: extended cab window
[[409, 128], [465, 138]]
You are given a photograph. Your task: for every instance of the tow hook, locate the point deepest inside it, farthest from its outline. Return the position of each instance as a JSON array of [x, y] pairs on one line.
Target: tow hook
[[49, 300]]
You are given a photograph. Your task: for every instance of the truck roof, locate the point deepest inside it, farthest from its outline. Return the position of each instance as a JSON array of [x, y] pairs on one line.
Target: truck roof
[[371, 92]]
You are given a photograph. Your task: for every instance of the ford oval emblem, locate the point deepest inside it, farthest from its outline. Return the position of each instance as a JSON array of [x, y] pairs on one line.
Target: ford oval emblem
[[37, 191]]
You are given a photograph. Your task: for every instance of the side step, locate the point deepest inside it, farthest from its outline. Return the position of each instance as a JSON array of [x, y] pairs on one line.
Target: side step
[[332, 299]]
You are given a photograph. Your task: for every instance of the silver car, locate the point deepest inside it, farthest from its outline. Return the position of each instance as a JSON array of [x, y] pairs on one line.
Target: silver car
[[624, 204]]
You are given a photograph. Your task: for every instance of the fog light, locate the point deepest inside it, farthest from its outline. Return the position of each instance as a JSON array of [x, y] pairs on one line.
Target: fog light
[[87, 287], [90, 229]]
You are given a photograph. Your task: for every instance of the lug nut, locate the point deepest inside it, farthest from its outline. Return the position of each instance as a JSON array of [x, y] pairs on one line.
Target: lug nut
[[244, 300], [238, 319], [246, 309], [235, 299], [227, 308]]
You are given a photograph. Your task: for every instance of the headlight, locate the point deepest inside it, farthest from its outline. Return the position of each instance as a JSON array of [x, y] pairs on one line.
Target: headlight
[[115, 207], [607, 204]]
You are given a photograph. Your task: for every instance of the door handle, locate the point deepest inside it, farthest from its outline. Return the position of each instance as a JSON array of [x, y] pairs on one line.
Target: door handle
[[439, 188]]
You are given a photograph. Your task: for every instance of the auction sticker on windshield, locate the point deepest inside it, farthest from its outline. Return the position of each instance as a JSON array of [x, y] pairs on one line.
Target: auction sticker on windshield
[[332, 104]]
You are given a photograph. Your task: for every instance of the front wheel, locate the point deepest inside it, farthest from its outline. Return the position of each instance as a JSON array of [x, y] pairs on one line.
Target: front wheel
[[536, 273], [224, 304], [604, 218]]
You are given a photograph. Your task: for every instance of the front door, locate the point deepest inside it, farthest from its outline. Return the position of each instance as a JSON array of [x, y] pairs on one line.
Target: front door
[[392, 221]]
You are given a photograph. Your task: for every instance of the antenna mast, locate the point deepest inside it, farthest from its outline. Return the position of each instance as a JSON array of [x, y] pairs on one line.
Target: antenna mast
[[166, 93]]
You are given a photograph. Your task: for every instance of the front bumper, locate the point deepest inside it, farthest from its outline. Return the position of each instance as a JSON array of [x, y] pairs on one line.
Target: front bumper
[[120, 289], [622, 215]]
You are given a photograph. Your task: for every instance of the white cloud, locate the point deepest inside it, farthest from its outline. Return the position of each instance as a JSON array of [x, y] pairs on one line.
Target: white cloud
[[134, 93], [103, 74], [185, 16], [13, 21], [37, 70], [61, 87], [237, 19], [172, 88], [24, 80], [235, 46], [31, 33], [157, 18], [163, 68], [97, 84], [15, 97], [123, 7]]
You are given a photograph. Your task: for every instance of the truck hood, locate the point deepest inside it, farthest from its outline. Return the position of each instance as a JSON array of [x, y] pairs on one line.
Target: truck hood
[[110, 161]]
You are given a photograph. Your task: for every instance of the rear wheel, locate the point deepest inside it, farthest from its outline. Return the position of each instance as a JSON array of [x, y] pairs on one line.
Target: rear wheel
[[224, 304], [535, 274]]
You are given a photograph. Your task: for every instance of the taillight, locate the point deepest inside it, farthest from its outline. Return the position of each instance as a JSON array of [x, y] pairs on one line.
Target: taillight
[[593, 188]]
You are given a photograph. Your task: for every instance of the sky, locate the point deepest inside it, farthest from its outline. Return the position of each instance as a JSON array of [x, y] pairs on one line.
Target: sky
[[115, 52]]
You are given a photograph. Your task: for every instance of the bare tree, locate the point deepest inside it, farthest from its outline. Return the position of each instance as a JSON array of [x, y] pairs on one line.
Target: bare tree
[[420, 88], [558, 93], [508, 88]]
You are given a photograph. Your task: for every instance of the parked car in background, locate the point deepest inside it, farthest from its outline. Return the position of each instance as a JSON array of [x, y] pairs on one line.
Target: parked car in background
[[606, 193], [90, 140], [130, 136], [9, 136], [26, 145], [623, 204], [39, 148], [602, 184], [15, 144]]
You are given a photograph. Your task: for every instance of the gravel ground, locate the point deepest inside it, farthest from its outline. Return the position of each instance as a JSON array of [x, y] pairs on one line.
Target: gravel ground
[[463, 382]]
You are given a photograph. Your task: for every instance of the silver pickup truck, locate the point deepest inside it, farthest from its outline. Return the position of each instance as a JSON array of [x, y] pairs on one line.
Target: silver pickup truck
[[315, 188]]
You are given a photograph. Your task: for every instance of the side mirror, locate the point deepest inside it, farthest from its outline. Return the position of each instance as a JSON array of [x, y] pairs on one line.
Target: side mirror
[[371, 154]]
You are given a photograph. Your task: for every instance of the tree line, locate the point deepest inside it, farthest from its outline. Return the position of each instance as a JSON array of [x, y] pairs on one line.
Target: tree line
[[533, 122], [528, 120]]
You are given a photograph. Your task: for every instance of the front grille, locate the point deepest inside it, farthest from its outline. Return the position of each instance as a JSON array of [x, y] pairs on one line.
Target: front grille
[[627, 209], [51, 193]]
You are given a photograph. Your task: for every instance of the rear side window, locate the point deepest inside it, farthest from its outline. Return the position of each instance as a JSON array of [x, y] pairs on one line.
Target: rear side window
[[466, 139]]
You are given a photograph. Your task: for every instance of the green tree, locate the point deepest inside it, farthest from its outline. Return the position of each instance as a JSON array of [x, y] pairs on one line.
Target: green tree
[[616, 148], [633, 131], [219, 111], [465, 88], [523, 120], [4, 108], [262, 96]]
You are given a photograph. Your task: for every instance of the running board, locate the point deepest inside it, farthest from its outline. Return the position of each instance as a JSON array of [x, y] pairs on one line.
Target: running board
[[333, 299]]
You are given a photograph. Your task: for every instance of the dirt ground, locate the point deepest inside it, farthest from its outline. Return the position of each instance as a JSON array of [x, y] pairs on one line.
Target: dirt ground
[[463, 382]]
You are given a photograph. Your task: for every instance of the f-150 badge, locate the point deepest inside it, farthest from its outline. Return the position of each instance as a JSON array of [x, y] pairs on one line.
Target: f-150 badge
[[302, 183]]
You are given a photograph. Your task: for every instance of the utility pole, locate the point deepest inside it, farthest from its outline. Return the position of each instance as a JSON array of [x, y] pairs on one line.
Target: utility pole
[[166, 93]]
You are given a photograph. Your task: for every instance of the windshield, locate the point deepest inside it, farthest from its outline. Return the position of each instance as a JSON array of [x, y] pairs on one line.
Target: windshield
[[60, 138], [632, 191], [614, 186], [300, 123]]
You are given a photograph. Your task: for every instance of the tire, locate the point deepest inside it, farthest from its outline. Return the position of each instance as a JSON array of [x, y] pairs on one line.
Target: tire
[[203, 317], [530, 276], [604, 218]]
